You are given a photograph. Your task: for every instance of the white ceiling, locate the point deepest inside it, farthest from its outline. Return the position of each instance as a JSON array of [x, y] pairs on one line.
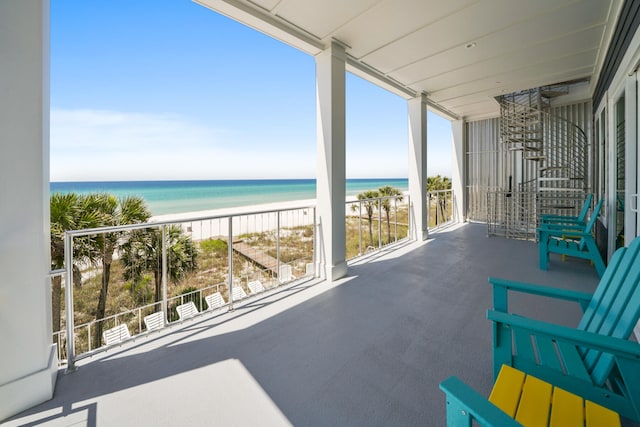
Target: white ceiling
[[414, 46]]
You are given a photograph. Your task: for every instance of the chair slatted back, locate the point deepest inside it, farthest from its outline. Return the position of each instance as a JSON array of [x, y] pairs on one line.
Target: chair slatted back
[[214, 300], [582, 216], [615, 307], [589, 224]]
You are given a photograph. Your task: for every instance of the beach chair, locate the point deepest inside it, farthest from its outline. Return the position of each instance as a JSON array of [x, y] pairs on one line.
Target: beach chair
[[285, 273], [154, 321], [576, 242], [187, 310], [255, 287], [595, 360], [310, 269], [116, 335], [238, 292], [214, 300], [519, 399]]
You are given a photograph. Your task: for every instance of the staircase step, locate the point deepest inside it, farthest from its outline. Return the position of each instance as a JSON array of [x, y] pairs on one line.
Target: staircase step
[[558, 207], [526, 148], [568, 190], [553, 93], [527, 124], [521, 139], [543, 178]]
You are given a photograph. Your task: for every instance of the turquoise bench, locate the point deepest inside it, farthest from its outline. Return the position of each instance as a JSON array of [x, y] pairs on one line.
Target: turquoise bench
[[595, 360], [571, 241]]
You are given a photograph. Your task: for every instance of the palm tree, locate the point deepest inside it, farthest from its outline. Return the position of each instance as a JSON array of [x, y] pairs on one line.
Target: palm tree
[[63, 217], [128, 210], [69, 212], [388, 191], [437, 183], [369, 205], [142, 253]]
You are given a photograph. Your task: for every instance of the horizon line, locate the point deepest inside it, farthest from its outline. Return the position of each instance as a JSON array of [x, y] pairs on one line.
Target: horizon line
[[216, 179]]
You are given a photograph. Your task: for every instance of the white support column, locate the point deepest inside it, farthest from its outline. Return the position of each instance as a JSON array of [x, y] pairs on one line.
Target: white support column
[[29, 363], [331, 183], [458, 171], [631, 157], [418, 167]]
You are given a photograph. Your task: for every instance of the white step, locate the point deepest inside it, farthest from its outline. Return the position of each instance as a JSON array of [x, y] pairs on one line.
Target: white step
[[568, 190], [542, 178]]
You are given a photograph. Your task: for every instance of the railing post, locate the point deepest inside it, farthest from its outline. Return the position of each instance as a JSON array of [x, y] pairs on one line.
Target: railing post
[[409, 213], [395, 218], [278, 246], [315, 244], [428, 209], [379, 223], [68, 293], [165, 309], [360, 226], [230, 254]]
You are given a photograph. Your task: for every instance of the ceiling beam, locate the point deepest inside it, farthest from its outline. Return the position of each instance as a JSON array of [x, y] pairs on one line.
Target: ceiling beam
[[261, 20]]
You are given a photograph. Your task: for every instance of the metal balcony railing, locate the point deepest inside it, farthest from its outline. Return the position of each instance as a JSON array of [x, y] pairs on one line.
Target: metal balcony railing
[[153, 268], [440, 208], [156, 267], [372, 224]]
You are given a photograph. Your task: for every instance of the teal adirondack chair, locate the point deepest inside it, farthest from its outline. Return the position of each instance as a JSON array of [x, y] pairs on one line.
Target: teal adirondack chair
[[571, 241], [568, 220], [596, 360]]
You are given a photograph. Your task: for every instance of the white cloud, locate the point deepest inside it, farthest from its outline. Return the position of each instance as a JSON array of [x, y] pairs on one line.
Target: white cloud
[[110, 145], [100, 145]]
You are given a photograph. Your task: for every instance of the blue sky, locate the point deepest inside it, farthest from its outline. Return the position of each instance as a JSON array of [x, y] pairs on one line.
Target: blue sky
[[145, 90]]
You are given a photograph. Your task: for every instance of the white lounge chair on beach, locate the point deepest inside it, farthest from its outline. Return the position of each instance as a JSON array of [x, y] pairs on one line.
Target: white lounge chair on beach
[[214, 300], [238, 292], [116, 335], [285, 273], [255, 287], [187, 310], [310, 269], [154, 321]]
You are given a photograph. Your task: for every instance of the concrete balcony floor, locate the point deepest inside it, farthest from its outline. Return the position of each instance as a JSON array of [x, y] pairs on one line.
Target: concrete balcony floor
[[369, 349]]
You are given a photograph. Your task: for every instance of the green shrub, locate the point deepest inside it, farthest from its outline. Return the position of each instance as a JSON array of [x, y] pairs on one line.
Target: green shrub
[[213, 246]]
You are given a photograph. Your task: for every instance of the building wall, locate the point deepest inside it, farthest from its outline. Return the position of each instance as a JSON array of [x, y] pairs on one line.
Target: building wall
[[485, 165]]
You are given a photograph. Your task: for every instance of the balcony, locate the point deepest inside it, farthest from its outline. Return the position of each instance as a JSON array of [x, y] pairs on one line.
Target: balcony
[[367, 349]]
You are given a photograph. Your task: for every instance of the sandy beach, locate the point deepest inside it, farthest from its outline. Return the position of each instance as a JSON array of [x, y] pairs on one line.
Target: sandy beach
[[206, 224]]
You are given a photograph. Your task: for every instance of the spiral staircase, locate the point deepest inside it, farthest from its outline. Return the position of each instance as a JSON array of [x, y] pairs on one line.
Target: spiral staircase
[[545, 163]]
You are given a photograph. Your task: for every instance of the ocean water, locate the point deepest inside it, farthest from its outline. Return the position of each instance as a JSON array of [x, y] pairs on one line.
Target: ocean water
[[164, 197]]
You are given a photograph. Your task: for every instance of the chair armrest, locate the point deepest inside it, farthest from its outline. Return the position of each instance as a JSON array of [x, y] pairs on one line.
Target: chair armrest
[[554, 216], [464, 402], [501, 286], [562, 232], [561, 219], [561, 226], [620, 348]]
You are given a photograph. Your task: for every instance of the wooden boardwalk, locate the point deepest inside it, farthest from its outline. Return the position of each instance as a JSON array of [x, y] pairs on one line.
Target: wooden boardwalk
[[256, 256]]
